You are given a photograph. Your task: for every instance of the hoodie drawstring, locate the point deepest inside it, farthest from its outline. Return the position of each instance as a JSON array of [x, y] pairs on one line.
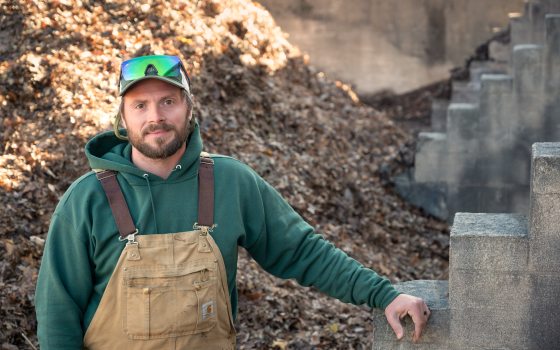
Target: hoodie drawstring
[[146, 176]]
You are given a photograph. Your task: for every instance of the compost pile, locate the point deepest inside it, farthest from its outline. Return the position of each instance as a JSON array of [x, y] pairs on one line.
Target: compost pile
[[256, 99]]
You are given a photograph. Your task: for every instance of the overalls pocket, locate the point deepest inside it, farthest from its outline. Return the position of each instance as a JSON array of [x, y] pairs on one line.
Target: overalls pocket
[[169, 301]]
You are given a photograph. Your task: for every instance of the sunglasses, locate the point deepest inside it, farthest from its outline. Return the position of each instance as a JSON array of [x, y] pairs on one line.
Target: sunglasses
[[166, 68]]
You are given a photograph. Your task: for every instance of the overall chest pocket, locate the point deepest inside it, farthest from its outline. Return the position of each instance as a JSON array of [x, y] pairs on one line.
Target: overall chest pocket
[[169, 301]]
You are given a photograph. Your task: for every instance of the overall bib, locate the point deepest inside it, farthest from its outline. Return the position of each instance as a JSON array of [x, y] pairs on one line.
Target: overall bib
[[168, 291]]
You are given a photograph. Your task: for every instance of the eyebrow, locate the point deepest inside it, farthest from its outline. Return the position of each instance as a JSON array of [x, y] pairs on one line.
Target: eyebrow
[[136, 101]]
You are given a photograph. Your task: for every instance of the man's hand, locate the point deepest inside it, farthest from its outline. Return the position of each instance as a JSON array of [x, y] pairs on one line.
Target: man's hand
[[404, 305]]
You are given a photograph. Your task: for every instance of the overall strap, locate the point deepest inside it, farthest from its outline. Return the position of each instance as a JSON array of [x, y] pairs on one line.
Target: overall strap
[[206, 191], [121, 213]]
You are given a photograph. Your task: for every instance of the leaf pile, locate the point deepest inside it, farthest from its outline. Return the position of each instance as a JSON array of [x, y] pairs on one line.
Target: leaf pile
[[256, 99]]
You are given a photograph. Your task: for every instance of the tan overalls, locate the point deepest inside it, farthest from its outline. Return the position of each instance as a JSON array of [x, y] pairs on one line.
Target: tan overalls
[[168, 291]]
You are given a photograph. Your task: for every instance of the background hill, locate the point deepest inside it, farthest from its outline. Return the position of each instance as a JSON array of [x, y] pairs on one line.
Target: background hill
[[256, 99]]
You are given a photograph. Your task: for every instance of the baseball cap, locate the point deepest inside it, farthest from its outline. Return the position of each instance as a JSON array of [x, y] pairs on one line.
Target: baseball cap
[[166, 68]]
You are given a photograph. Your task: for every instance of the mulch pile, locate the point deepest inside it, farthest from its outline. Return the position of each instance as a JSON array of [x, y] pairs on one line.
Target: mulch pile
[[256, 98]]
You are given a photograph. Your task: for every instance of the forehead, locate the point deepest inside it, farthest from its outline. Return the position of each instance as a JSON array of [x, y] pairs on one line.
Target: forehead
[[151, 87]]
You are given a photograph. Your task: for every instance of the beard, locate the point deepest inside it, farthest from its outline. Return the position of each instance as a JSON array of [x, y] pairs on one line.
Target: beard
[[162, 148]]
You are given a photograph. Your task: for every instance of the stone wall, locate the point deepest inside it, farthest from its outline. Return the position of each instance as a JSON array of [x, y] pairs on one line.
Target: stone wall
[[478, 160], [504, 276], [387, 44]]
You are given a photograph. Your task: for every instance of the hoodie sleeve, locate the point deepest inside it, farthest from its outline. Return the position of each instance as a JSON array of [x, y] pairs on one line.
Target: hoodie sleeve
[[288, 247], [63, 288]]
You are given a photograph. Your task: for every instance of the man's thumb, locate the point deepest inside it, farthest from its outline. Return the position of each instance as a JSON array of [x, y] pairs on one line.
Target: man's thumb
[[395, 323]]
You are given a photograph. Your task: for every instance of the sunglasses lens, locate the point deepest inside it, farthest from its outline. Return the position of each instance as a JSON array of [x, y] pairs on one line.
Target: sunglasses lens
[[163, 66], [167, 68]]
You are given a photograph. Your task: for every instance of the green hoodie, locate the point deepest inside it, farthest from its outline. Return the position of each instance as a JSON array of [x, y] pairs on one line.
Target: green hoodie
[[82, 245]]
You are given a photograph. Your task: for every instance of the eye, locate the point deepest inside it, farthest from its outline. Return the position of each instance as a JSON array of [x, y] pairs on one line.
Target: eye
[[168, 102], [139, 106]]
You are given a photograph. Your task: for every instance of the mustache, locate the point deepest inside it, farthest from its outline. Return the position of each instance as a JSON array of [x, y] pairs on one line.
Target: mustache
[[157, 127]]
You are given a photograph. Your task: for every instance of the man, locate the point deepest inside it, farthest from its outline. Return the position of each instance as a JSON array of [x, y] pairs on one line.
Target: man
[[142, 252]]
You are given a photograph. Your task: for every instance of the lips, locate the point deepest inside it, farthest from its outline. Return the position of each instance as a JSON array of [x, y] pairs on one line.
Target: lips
[[157, 129]]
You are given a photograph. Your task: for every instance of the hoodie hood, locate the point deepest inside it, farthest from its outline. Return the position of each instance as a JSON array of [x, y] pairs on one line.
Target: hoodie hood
[[106, 151]]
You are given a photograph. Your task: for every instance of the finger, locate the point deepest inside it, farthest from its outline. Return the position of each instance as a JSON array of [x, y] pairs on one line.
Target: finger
[[420, 319], [395, 323]]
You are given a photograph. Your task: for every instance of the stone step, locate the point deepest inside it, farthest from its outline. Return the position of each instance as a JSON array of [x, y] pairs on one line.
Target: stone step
[[436, 335]]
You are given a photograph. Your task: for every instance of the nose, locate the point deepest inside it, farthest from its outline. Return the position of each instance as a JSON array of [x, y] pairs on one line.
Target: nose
[[155, 114]]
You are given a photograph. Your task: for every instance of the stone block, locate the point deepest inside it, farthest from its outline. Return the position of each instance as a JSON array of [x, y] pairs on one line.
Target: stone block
[[462, 125], [489, 328], [489, 242], [479, 68], [464, 92], [545, 311], [439, 115], [551, 6], [545, 233], [520, 31], [503, 163], [553, 53], [487, 289], [545, 174], [535, 12], [436, 333], [430, 157], [482, 224], [499, 51], [528, 69], [496, 112]]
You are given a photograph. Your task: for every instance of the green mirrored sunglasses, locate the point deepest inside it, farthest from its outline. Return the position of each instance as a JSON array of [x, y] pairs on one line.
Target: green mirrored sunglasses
[[167, 68]]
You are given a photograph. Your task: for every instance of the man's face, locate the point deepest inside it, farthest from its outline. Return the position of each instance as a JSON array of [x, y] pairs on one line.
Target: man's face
[[155, 116]]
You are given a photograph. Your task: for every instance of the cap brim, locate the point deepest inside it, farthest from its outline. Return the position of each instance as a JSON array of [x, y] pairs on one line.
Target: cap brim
[[165, 79]]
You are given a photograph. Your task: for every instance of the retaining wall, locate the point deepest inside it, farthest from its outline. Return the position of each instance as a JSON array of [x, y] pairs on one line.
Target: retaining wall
[[477, 159], [504, 278]]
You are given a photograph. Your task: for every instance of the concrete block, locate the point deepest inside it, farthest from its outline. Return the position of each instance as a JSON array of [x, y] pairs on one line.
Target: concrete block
[[494, 225], [489, 328], [479, 68], [492, 250], [551, 6], [462, 126], [535, 12], [545, 174], [487, 289], [553, 53], [439, 115], [528, 69], [545, 233], [499, 52], [464, 92], [496, 112], [436, 334], [504, 162], [430, 157], [545, 311], [520, 31]]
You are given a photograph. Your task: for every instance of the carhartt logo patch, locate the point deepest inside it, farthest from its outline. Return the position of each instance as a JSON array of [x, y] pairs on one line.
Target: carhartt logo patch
[[208, 310]]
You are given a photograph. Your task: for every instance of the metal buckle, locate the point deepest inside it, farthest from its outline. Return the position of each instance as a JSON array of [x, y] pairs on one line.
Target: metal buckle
[[204, 229], [131, 238], [104, 174], [205, 158]]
